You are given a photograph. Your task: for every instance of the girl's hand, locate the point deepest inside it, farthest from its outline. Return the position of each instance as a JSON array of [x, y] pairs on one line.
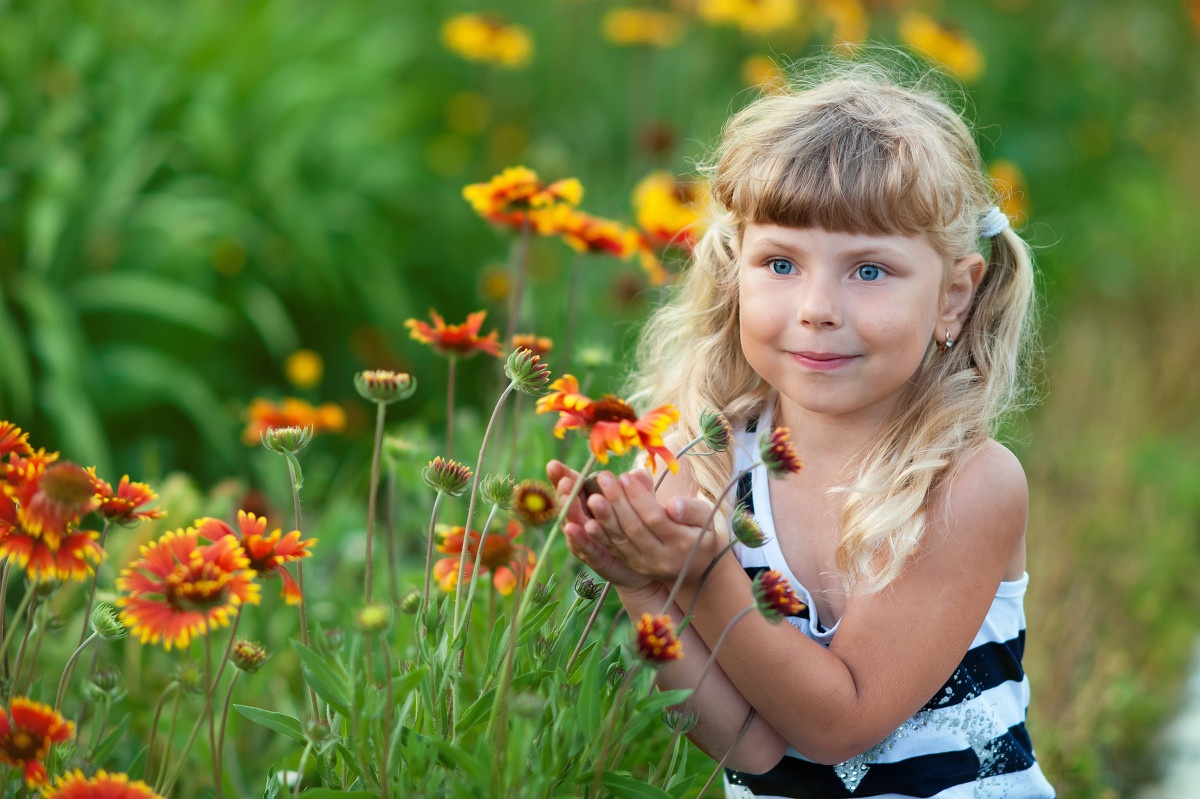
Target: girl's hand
[[647, 537]]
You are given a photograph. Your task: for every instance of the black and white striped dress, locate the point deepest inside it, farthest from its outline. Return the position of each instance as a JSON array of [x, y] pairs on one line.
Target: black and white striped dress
[[968, 740]]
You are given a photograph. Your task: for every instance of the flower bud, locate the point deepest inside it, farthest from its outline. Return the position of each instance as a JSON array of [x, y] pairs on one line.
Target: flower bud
[[448, 476], [44, 588], [334, 638], [541, 593], [497, 489], [190, 677], [715, 429], [411, 603], [373, 618], [287, 439], [778, 454], [106, 621], [681, 719], [527, 372], [248, 656], [384, 386], [656, 640], [774, 596], [534, 502], [104, 686], [318, 733], [588, 586], [527, 704], [746, 528]]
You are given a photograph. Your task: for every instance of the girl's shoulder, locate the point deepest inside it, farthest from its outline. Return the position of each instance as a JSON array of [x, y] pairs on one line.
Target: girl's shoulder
[[987, 493]]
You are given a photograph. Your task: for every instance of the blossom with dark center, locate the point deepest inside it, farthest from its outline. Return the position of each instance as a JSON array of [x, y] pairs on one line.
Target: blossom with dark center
[[534, 502], [383, 385], [517, 198], [507, 560], [27, 732], [121, 506], [102, 786], [610, 423], [51, 499], [774, 596], [777, 452], [448, 476], [185, 585], [461, 340], [656, 639], [70, 556], [267, 554]]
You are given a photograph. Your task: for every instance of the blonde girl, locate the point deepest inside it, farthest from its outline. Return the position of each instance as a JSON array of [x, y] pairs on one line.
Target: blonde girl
[[862, 290]]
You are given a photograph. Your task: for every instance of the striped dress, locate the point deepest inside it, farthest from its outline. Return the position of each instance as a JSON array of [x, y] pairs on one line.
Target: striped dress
[[968, 740]]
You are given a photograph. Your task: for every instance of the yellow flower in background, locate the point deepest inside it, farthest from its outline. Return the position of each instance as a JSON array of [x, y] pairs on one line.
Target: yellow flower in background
[[762, 72], [489, 38], [753, 16], [946, 45], [1009, 184], [669, 211], [304, 369], [849, 21], [629, 26]]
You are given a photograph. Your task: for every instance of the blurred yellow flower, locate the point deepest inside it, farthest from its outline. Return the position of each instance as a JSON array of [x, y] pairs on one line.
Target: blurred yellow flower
[[946, 45], [489, 38], [304, 369], [629, 26], [669, 211], [849, 21], [763, 73], [754, 16], [1009, 184]]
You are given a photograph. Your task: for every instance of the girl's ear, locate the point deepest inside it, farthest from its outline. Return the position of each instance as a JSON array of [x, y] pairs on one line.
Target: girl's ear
[[965, 277]]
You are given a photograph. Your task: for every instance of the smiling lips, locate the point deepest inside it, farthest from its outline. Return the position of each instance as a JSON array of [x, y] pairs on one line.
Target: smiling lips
[[821, 361]]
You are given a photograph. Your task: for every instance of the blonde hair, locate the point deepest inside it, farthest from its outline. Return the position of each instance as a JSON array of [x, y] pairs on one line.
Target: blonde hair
[[853, 152]]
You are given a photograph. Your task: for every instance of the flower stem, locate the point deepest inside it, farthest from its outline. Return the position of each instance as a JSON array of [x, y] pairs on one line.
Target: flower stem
[[487, 525], [293, 466], [429, 558], [164, 762], [587, 628], [519, 268], [388, 721], [225, 717], [67, 669], [462, 564], [450, 408], [12, 626], [380, 413], [19, 661], [390, 527], [679, 454], [87, 607], [572, 313], [721, 765]]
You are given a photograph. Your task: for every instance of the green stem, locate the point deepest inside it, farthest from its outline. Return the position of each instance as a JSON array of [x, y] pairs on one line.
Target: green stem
[[521, 267], [390, 527], [225, 717], [300, 769], [450, 408], [293, 467], [19, 662], [380, 413], [678, 455], [487, 525], [588, 628], [166, 758], [87, 608], [67, 669], [610, 726], [388, 722], [21, 607], [212, 724], [429, 560]]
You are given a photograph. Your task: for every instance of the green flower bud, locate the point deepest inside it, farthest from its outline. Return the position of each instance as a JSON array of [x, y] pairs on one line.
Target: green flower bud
[[384, 386], [746, 528], [286, 440], [106, 620], [527, 372], [715, 429], [248, 656], [497, 489], [448, 476], [588, 586], [411, 603], [373, 618]]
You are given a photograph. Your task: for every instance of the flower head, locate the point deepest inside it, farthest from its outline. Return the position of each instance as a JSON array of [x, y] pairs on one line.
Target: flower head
[[527, 372], [715, 429], [942, 43], [107, 622], [121, 506], [497, 489], [631, 26], [656, 639], [102, 786], [458, 340], [746, 528], [586, 233], [448, 476], [287, 440], [670, 211], [304, 369], [507, 560], [381, 385], [778, 454], [774, 596], [488, 38], [753, 16], [13, 441], [534, 502], [373, 618], [184, 585], [70, 556], [517, 199], [51, 499], [263, 414], [27, 732], [610, 423], [588, 586], [267, 554], [248, 656]]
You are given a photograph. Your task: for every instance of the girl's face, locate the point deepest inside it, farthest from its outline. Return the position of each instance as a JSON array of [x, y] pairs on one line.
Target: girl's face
[[839, 322]]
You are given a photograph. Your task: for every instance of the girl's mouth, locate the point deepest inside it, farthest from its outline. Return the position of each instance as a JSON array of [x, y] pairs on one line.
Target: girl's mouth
[[821, 361]]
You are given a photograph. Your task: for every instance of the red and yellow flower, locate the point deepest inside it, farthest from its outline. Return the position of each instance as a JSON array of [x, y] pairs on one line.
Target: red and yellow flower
[[517, 197], [669, 211], [27, 732], [102, 786], [656, 639], [184, 585], [457, 340], [774, 596], [51, 495], [70, 555], [267, 554], [538, 345], [507, 560], [586, 233], [610, 423], [263, 414], [13, 441], [121, 506]]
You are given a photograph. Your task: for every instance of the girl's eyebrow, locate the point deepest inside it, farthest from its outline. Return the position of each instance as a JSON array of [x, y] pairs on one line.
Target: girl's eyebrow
[[877, 251]]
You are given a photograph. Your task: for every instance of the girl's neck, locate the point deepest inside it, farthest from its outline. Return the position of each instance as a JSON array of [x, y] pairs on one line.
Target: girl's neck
[[828, 446]]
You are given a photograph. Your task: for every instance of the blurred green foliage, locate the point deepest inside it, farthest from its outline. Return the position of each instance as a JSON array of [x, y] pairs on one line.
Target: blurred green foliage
[[190, 192]]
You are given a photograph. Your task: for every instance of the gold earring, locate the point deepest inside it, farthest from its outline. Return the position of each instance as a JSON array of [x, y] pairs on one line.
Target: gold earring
[[949, 339]]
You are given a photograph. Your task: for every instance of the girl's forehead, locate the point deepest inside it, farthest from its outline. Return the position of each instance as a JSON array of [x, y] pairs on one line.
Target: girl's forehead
[[757, 234]]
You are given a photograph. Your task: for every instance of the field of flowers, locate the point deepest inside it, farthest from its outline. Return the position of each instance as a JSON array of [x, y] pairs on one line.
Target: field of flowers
[[291, 298]]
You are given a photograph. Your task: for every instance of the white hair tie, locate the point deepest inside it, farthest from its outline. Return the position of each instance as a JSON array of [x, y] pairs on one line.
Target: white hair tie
[[993, 223]]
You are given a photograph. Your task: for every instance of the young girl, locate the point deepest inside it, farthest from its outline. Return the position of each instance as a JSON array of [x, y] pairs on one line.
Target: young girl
[[862, 290]]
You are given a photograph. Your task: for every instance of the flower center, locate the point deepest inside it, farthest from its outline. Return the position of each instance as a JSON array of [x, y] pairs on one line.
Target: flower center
[[197, 585], [612, 409], [67, 485], [22, 746]]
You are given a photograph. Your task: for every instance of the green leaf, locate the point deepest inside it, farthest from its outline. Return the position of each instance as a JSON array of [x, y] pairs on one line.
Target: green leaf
[[324, 678], [472, 766], [661, 700], [146, 295], [138, 766], [106, 746], [625, 786], [279, 722], [589, 695], [334, 793], [678, 785]]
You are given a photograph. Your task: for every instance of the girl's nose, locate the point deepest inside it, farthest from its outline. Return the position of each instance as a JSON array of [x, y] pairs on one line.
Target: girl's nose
[[820, 304]]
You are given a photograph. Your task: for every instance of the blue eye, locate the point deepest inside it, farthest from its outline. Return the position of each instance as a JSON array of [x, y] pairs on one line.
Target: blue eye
[[869, 272], [780, 266]]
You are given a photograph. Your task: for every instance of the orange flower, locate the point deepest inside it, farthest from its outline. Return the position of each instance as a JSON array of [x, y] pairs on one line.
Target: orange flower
[[501, 556], [611, 424], [656, 639], [13, 441], [517, 196], [1009, 184], [774, 596], [263, 414], [182, 587], [122, 506], [538, 345], [51, 496], [754, 16], [268, 554], [102, 786], [670, 211], [66, 556], [459, 340], [27, 735], [586, 233], [777, 452]]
